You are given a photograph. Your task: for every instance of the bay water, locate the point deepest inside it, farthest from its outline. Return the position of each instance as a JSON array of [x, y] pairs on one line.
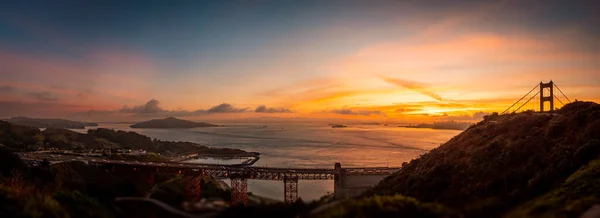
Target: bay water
[[307, 145]]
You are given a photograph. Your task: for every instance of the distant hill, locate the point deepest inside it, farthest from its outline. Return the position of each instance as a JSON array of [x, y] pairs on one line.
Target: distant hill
[[171, 123], [50, 123], [67, 139], [505, 162], [19, 137], [16, 137], [135, 140], [451, 125]]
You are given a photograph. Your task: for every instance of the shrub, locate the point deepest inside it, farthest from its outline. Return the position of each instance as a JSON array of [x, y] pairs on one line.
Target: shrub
[[388, 206]]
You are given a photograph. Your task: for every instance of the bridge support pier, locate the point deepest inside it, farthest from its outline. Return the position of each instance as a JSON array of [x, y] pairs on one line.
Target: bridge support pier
[[239, 190], [290, 190], [339, 181], [192, 188]]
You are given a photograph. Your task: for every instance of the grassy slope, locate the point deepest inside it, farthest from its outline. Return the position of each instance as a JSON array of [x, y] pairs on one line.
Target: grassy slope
[[17, 137], [387, 206], [579, 192], [67, 139], [172, 190], [502, 161], [64, 190]]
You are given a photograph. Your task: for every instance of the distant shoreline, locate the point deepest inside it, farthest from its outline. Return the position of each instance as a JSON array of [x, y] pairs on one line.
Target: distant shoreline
[[437, 128], [443, 125]]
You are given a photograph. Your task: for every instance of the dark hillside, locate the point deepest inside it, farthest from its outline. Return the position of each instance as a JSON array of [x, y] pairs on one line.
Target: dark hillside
[[67, 139], [18, 137], [579, 192], [130, 140], [135, 140], [10, 163], [94, 181], [502, 161], [61, 190]]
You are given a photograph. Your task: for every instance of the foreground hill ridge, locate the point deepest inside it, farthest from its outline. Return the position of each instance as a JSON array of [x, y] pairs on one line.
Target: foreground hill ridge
[[517, 165], [503, 161], [171, 122]]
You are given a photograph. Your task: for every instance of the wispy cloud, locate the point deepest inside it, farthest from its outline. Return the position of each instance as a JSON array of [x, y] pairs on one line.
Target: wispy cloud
[[37, 109], [151, 107], [92, 113], [406, 110], [464, 117], [358, 112], [265, 109], [7, 89], [43, 96], [226, 108], [412, 85]]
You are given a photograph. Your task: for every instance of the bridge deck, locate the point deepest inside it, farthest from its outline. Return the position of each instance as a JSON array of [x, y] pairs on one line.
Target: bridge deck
[[262, 173], [229, 171]]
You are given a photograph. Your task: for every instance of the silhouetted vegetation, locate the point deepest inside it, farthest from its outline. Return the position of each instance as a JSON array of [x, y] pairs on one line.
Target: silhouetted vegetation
[[50, 192], [18, 137], [271, 210], [10, 163], [502, 161], [67, 139], [172, 190], [577, 194], [387, 206]]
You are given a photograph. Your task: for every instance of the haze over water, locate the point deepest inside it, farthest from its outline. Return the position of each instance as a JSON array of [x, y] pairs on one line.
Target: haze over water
[[309, 145]]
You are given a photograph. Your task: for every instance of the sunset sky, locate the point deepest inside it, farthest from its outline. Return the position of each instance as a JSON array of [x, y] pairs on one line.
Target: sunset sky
[[398, 60]]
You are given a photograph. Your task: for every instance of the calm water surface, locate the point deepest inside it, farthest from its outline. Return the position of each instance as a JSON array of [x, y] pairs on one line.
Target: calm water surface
[[309, 146]]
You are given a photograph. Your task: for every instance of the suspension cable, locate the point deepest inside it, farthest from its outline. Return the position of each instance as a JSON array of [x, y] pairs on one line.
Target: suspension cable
[[562, 93], [527, 101], [563, 104], [521, 99]]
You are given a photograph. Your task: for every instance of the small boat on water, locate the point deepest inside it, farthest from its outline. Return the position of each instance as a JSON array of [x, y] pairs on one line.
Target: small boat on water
[[338, 126]]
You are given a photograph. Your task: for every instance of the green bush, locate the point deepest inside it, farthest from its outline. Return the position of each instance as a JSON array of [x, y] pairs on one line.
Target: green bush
[[578, 193]]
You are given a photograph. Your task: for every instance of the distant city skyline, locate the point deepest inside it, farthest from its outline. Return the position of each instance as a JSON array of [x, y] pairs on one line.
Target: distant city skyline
[[404, 61]]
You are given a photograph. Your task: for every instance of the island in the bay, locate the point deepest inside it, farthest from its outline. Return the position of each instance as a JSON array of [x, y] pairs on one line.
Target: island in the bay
[[50, 123], [452, 125], [171, 123]]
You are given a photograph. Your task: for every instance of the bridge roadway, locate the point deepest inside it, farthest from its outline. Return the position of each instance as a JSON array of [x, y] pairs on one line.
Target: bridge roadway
[[349, 181], [221, 170], [249, 172]]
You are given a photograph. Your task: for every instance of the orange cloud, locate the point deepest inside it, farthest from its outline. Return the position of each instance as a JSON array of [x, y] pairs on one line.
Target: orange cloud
[[412, 85]]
